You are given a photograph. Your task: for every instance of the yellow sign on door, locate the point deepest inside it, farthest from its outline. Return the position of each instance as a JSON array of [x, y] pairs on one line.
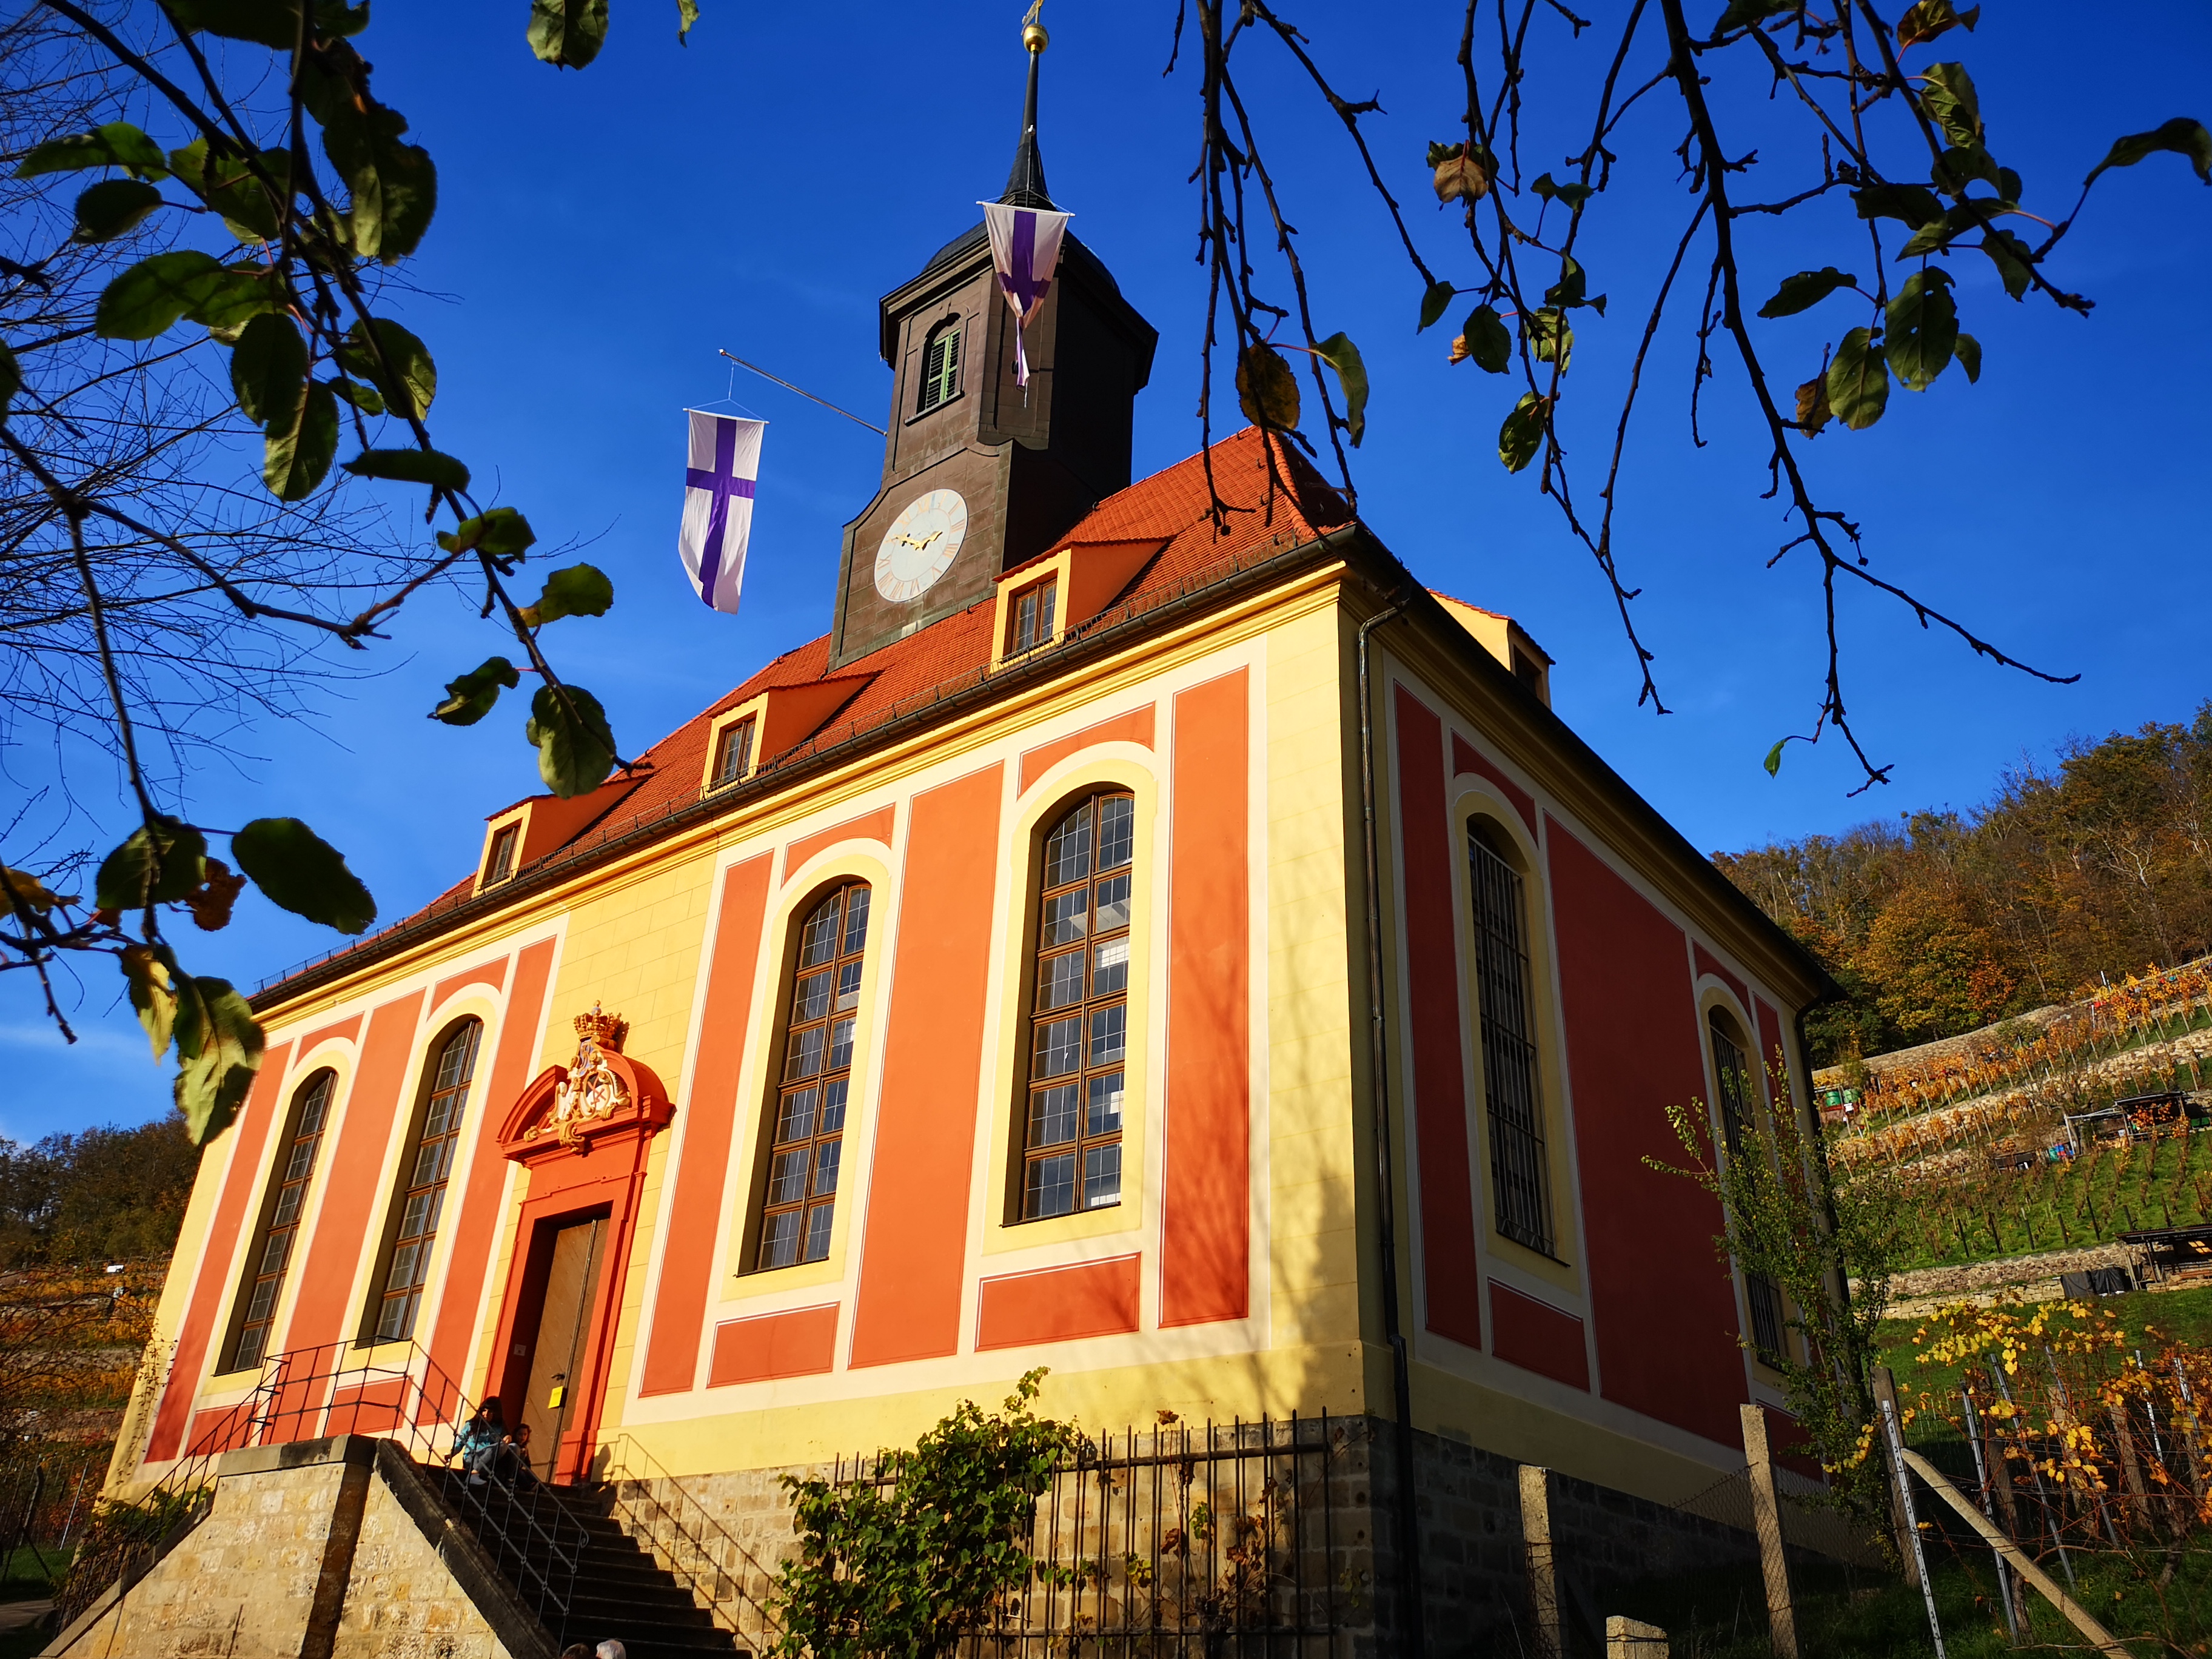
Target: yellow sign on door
[[560, 1392]]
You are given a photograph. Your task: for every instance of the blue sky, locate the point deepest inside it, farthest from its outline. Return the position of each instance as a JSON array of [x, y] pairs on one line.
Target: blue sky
[[600, 234]]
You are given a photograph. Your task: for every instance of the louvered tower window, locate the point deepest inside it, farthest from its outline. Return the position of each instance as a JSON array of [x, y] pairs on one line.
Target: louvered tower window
[[1732, 1077], [940, 367], [1079, 1022], [280, 1225], [807, 1143], [1519, 1172], [422, 1194]]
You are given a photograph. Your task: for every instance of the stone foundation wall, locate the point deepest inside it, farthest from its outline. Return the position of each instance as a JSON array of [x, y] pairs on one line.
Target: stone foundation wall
[[401, 1601]]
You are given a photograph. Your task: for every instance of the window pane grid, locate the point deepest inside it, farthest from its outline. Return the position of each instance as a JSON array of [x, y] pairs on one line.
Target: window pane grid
[[1732, 1079], [423, 1200], [1078, 1024], [275, 1256], [733, 752], [1518, 1169], [806, 1147], [1030, 624]]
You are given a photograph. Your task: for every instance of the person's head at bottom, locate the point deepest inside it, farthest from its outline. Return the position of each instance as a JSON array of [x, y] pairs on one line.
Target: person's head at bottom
[[576, 1650], [611, 1649]]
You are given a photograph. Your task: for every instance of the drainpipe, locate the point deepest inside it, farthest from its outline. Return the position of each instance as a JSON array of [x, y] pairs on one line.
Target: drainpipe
[[1409, 1537]]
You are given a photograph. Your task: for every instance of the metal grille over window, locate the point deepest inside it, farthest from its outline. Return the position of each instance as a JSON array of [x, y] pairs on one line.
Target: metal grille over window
[[1732, 1076], [940, 367], [423, 1197], [1030, 626], [733, 753], [293, 1175], [1078, 1027], [808, 1137], [1518, 1169]]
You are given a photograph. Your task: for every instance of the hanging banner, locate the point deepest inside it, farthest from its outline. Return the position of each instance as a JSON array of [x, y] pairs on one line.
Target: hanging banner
[[718, 506], [1025, 248]]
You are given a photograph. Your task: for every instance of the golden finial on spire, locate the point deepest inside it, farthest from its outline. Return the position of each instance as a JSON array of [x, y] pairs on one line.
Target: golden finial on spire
[[1033, 34]]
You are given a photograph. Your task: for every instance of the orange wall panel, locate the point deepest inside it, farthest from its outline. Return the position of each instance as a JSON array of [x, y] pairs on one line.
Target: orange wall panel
[[1467, 759], [1135, 726], [1663, 1308], [217, 1255], [1206, 1196], [1538, 1337], [346, 1030], [492, 974], [1454, 1301], [353, 1201], [694, 1213], [1058, 1305], [801, 1343], [474, 1219], [914, 1233], [873, 826]]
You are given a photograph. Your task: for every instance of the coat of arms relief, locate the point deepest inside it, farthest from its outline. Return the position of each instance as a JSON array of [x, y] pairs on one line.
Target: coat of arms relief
[[592, 1091]]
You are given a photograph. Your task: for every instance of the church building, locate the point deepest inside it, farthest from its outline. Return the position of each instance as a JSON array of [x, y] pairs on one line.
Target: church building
[[1149, 935]]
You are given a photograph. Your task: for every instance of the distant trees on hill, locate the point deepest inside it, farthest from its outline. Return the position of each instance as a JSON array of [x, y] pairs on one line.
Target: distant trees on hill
[[1944, 921], [98, 1196]]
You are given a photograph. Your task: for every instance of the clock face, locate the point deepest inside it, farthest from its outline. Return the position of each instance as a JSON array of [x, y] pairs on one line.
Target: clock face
[[920, 544]]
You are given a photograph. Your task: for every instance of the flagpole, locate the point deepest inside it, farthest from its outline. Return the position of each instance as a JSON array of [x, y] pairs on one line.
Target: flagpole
[[803, 393]]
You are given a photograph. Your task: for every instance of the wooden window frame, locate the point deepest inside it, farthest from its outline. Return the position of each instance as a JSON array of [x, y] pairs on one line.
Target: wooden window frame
[[945, 380], [283, 1204], [410, 1231], [1028, 632], [1087, 1095], [735, 741], [1735, 1098], [811, 1103], [499, 862]]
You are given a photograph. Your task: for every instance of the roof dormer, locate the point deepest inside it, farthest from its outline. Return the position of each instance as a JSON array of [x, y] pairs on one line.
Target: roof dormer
[[516, 837], [742, 739], [1505, 640], [1043, 601]]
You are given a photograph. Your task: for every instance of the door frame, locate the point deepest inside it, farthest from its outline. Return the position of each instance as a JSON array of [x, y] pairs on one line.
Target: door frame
[[514, 1369]]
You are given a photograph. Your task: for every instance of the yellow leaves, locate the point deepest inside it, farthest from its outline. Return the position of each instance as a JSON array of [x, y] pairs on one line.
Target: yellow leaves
[[19, 887]]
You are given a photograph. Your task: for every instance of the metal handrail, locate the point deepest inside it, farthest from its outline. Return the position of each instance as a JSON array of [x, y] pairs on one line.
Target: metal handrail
[[648, 1502]]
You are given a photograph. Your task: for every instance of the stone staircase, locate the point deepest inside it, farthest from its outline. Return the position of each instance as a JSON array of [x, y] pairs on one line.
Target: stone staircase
[[620, 1591]]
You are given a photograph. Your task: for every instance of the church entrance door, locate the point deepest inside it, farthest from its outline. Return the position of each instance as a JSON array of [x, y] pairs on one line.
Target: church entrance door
[[575, 1255]]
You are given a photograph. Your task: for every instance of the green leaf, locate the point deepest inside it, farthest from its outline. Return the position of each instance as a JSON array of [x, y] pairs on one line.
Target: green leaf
[[228, 184], [581, 590], [470, 697], [1805, 290], [1439, 295], [1550, 335], [1574, 195], [268, 369], [1969, 352], [1923, 328], [1858, 381], [1267, 389], [1915, 204], [1340, 355], [1522, 433], [1569, 290], [502, 533], [424, 466], [296, 454], [117, 145], [568, 33], [1961, 166], [2181, 134], [149, 298], [297, 870], [1947, 93], [1926, 19], [394, 186], [241, 293], [11, 377], [219, 1045], [412, 382], [113, 208], [1488, 340], [687, 14], [127, 878], [1773, 762], [2012, 257], [575, 751], [264, 22], [366, 398], [151, 973]]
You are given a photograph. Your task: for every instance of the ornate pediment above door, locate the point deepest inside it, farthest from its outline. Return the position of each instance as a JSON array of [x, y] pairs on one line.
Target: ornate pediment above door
[[600, 1096]]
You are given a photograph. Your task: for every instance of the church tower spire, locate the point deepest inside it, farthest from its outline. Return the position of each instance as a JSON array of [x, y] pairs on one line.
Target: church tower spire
[[1025, 182]]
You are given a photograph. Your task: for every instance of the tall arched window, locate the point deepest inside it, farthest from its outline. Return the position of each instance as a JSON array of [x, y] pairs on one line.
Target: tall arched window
[[806, 1144], [1079, 1016], [940, 367], [423, 1176], [294, 1172], [1732, 1078], [1520, 1175]]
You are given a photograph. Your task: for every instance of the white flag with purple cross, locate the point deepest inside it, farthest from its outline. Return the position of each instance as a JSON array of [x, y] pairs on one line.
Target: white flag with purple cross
[[718, 505], [1025, 248]]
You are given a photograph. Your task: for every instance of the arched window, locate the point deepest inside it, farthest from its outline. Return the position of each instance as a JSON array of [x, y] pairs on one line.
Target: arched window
[[940, 367], [1519, 1172], [289, 1180], [1732, 1080], [1079, 1018], [423, 1175], [806, 1143]]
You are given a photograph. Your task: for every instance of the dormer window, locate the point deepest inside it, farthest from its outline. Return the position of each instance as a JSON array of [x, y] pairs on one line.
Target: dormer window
[[733, 754], [940, 367], [500, 865], [1029, 624]]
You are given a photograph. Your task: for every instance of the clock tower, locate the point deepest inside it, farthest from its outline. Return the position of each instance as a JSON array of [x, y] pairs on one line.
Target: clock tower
[[981, 473]]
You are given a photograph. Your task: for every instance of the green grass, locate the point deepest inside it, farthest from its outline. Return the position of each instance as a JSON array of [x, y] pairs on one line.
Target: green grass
[[21, 1578]]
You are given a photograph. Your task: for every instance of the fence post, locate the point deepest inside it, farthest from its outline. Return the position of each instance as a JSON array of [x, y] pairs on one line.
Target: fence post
[[1885, 1394], [1781, 1614], [1627, 1638], [1543, 1568], [1897, 1455]]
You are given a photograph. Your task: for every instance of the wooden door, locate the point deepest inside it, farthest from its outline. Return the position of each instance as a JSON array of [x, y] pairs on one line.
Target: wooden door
[[571, 1279]]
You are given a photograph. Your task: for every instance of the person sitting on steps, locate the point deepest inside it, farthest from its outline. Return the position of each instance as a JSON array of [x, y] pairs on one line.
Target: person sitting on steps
[[476, 1440]]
